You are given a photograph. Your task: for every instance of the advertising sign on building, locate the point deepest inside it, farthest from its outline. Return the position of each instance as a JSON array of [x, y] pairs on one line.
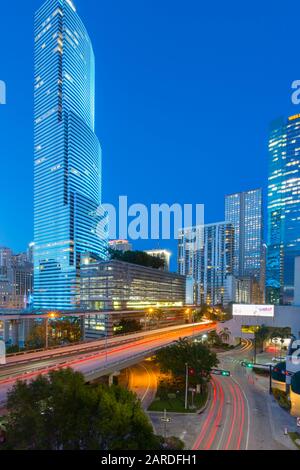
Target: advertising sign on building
[[253, 310]]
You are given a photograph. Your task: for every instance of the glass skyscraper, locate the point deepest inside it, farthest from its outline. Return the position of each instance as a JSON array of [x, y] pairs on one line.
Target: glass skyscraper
[[67, 156], [245, 211], [283, 209], [205, 254]]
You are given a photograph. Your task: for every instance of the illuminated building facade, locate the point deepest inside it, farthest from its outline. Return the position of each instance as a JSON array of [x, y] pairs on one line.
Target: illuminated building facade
[[16, 279], [283, 209], [206, 255], [67, 156], [245, 211], [116, 285]]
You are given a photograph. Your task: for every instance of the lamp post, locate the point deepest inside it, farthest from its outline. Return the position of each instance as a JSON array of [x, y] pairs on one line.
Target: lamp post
[[46, 332], [50, 315], [255, 348], [186, 385]]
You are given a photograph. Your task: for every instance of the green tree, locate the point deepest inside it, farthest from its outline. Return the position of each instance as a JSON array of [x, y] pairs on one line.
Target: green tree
[[261, 335], [198, 356], [65, 331], [60, 412], [59, 332], [37, 337], [127, 326], [214, 339], [137, 257]]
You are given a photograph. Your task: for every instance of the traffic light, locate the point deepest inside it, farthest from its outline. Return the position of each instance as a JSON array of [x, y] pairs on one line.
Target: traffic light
[[247, 364], [192, 372], [225, 373]]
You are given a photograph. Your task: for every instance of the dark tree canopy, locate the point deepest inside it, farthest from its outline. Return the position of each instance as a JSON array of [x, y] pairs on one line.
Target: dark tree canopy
[[127, 325], [61, 412], [198, 356], [137, 257]]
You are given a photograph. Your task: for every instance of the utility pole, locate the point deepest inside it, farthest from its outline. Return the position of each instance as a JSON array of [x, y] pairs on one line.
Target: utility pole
[[186, 385], [255, 345], [270, 379], [46, 333]]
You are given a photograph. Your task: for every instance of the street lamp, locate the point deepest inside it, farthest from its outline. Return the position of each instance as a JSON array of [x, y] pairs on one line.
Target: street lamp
[[150, 312], [50, 315]]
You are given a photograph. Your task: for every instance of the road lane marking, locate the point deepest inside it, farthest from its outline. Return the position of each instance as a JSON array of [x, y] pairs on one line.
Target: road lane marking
[[248, 413]]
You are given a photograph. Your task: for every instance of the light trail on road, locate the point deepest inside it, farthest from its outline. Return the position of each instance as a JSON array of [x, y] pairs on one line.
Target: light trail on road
[[143, 381], [89, 363], [225, 424]]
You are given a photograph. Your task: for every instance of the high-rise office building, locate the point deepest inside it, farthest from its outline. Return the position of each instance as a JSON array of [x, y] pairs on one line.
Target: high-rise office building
[[16, 279], [206, 255], [283, 209], [67, 156], [245, 211]]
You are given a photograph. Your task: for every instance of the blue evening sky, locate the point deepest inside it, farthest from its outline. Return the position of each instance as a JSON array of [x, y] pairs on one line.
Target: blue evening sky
[[185, 94]]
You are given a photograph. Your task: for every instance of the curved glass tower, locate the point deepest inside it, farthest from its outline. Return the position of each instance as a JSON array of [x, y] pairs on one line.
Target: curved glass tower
[[283, 209], [67, 156]]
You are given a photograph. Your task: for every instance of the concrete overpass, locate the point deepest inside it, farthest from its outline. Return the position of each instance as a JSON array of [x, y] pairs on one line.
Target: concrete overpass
[[106, 358], [15, 325]]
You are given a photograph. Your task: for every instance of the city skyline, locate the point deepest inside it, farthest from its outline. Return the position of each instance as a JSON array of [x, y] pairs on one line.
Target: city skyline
[[202, 123]]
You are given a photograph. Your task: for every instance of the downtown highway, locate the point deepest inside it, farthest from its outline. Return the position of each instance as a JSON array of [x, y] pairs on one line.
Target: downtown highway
[[95, 359]]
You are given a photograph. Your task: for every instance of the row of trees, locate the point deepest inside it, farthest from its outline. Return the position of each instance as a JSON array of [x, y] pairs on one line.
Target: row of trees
[[216, 312], [137, 257], [59, 332], [61, 412], [264, 333], [219, 339]]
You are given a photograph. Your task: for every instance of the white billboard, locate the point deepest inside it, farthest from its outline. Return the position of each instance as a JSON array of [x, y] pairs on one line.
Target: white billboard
[[253, 310]]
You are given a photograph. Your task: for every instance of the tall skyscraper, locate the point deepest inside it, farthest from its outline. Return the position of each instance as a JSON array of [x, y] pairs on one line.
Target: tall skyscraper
[[245, 211], [67, 156], [206, 255], [283, 209]]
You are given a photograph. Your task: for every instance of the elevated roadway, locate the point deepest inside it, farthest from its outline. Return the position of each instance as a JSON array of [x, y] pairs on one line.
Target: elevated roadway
[[95, 359]]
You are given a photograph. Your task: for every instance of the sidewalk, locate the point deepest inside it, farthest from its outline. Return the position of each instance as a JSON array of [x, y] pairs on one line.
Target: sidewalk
[[283, 418]]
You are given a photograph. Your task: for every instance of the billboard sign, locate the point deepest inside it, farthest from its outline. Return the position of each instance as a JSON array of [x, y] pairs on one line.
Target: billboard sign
[[253, 310]]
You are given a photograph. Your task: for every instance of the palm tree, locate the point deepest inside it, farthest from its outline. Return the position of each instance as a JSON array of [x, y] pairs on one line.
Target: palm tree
[[225, 335]]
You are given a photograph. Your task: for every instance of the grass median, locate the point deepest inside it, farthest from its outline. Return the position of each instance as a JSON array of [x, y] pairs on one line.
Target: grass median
[[175, 403]]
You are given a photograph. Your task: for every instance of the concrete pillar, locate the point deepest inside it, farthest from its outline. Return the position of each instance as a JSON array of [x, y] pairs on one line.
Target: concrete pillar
[[21, 333], [111, 378], [6, 331], [82, 326], [14, 332]]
